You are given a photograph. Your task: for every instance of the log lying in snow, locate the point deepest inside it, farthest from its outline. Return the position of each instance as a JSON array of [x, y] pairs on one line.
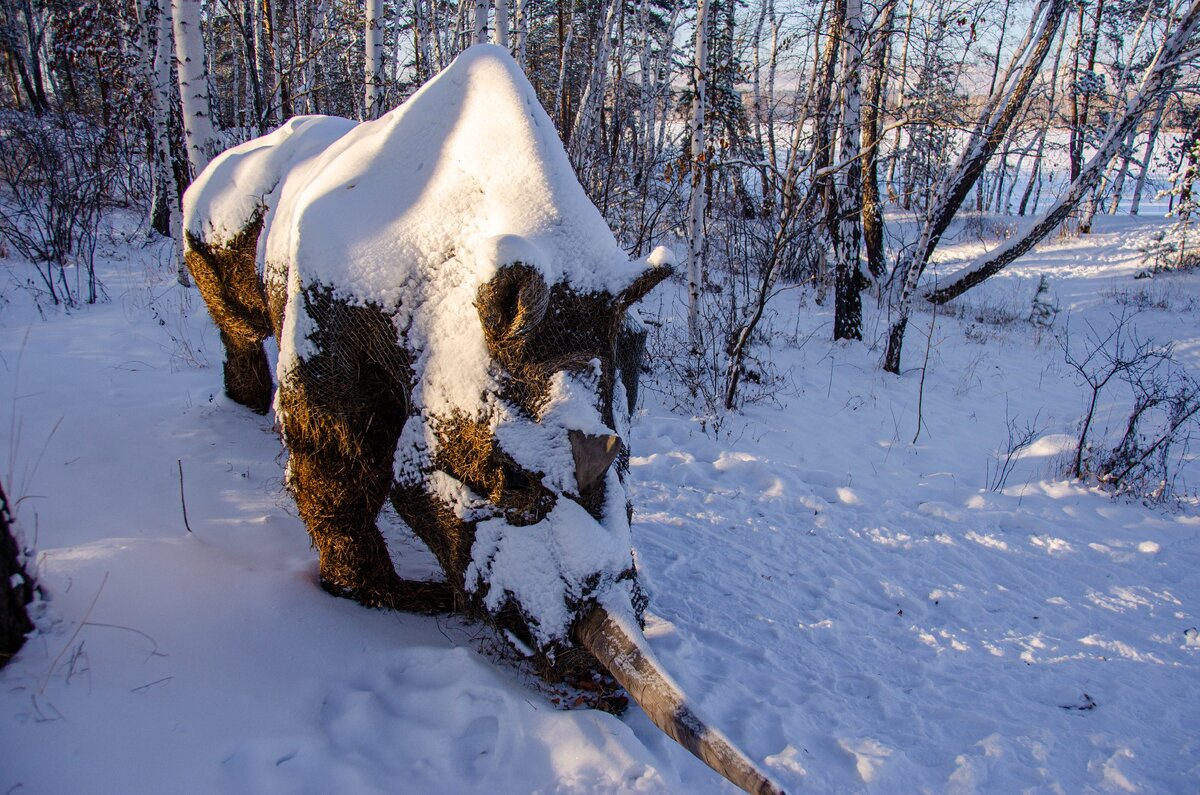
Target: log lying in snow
[[622, 649]]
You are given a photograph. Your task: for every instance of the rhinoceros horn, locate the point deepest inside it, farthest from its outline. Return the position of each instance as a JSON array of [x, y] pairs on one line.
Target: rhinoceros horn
[[622, 649]]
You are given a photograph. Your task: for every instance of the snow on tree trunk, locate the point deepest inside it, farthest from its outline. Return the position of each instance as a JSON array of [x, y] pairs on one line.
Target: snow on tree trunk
[[1159, 77], [699, 166], [374, 60], [193, 83], [522, 31]]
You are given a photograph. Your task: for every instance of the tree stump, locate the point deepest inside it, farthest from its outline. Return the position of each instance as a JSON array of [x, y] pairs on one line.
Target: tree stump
[[16, 589]]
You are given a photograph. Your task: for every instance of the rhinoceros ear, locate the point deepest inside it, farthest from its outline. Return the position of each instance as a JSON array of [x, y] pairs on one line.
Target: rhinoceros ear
[[659, 265], [512, 304]]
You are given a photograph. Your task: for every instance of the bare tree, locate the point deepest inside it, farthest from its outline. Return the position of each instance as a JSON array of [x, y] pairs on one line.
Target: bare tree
[[1175, 49], [696, 128], [992, 126]]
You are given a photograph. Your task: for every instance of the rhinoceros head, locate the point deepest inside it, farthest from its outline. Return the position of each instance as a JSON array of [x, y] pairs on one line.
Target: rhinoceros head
[[517, 494], [560, 355]]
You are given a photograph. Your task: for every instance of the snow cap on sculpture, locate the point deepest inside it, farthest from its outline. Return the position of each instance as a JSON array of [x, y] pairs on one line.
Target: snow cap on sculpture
[[236, 184], [469, 157]]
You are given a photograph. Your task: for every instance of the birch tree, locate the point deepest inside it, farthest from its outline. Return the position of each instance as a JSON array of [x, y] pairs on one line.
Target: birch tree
[[1175, 50], [193, 83], [845, 224], [872, 112], [696, 128], [157, 73], [374, 104], [500, 36], [994, 121], [481, 22]]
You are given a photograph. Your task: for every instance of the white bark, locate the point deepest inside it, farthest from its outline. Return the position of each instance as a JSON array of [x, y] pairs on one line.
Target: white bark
[[562, 72], [481, 20], [583, 131], [1151, 137], [157, 69], [522, 31], [373, 106], [500, 36], [665, 74], [848, 186], [695, 258], [193, 83]]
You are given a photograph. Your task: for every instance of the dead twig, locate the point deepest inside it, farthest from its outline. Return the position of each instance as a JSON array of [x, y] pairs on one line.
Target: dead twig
[[182, 500]]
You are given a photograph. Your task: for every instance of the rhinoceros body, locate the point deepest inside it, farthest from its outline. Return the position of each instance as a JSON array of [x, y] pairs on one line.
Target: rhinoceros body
[[453, 327], [451, 316]]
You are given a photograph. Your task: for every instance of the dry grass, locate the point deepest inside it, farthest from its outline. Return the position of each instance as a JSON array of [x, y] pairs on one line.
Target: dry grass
[[228, 280]]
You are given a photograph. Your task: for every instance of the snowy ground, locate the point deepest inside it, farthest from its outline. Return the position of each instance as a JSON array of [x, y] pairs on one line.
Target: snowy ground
[[858, 611]]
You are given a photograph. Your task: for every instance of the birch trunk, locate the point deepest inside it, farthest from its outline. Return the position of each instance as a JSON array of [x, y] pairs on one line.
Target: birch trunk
[[846, 231], [994, 122], [522, 31], [157, 70], [1165, 68], [481, 20], [501, 33], [373, 105], [872, 203], [699, 167], [193, 83], [1152, 136], [583, 130]]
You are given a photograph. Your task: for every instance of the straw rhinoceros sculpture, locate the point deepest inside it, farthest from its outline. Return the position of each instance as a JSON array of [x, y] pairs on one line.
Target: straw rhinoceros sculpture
[[452, 317]]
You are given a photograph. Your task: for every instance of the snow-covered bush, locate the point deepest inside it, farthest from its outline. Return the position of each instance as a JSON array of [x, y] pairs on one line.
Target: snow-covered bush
[[1044, 308]]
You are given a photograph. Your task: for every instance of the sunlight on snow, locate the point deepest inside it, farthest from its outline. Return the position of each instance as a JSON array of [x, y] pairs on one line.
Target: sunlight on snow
[[987, 540]]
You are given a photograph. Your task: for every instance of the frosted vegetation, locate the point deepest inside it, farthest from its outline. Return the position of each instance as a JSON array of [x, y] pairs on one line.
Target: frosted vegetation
[[901, 528]]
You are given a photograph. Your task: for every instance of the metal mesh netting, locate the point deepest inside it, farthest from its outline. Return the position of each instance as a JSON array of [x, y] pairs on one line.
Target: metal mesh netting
[[227, 279], [343, 409]]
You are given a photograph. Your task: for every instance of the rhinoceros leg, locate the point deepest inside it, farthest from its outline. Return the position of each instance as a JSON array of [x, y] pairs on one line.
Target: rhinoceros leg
[[228, 280], [342, 412], [247, 373]]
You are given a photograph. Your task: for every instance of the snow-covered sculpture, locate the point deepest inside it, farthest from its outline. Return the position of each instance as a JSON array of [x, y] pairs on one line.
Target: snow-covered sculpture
[[453, 334]]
